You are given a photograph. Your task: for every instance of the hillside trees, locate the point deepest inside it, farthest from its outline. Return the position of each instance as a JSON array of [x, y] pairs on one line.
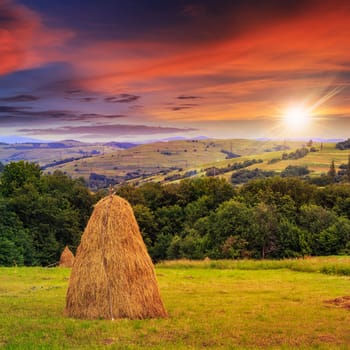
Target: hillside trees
[[343, 145], [16, 244], [50, 211], [265, 218]]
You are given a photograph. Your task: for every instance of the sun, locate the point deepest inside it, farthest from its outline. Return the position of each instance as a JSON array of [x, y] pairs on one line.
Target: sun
[[296, 117]]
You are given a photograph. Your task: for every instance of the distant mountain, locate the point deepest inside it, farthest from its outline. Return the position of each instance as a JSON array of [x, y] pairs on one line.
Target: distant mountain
[[174, 138], [177, 138], [123, 145], [201, 138], [182, 138], [20, 139], [71, 142]]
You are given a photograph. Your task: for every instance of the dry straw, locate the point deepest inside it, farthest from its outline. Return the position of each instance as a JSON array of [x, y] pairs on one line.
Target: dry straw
[[67, 258], [113, 275]]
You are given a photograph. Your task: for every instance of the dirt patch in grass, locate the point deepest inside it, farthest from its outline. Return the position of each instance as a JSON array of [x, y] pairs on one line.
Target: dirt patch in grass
[[342, 302], [327, 338], [108, 341]]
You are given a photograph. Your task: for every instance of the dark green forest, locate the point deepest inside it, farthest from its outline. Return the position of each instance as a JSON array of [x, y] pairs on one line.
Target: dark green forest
[[273, 217]]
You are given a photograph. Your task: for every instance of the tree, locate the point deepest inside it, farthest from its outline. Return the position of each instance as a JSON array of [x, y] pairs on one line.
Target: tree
[[170, 219], [292, 240], [234, 247], [131, 193], [75, 193], [193, 246], [332, 173], [197, 209], [174, 249], [295, 170], [232, 218], [159, 250], [147, 223], [16, 174], [315, 219], [265, 228], [16, 246], [310, 143], [335, 238], [271, 190], [53, 209]]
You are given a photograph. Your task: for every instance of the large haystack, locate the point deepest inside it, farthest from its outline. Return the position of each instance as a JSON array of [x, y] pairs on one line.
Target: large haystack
[[113, 275], [67, 258]]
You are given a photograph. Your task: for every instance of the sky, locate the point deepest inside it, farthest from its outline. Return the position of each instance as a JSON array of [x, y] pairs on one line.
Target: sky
[[148, 69]]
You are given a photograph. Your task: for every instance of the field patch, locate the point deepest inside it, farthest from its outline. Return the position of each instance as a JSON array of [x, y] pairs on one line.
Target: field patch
[[209, 308]]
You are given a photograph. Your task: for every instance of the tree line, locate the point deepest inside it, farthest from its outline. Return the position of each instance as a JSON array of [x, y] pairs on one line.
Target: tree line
[[39, 214], [266, 218], [271, 217]]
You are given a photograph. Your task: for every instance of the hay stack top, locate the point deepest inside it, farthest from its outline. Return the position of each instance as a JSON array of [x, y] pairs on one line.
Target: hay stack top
[[67, 258], [113, 275]]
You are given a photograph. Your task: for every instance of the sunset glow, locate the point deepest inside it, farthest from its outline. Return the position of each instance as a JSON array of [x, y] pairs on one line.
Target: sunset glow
[[297, 117], [150, 69]]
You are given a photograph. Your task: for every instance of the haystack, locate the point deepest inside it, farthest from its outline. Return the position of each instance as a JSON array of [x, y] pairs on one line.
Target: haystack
[[67, 258], [113, 275]]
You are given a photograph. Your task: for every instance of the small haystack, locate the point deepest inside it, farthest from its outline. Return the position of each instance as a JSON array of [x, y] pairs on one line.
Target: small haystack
[[67, 258], [113, 275]]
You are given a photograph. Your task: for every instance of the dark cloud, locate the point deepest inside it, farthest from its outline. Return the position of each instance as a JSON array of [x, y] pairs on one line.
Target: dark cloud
[[48, 78], [87, 99], [136, 107], [106, 130], [78, 95], [187, 97], [7, 15], [184, 106], [82, 99], [122, 98], [71, 92], [179, 108], [171, 20], [105, 116], [20, 98], [27, 114], [10, 109]]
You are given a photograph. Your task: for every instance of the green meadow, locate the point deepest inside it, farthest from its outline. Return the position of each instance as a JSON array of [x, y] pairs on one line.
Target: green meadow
[[289, 304]]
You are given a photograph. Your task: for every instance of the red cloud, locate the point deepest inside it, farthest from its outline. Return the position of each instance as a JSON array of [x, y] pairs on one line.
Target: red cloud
[[25, 42], [317, 40], [243, 65]]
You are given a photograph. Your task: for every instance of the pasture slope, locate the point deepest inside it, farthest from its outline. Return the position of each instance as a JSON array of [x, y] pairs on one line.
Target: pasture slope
[[162, 160]]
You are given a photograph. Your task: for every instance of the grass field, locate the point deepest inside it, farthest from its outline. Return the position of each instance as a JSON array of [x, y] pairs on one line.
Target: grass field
[[211, 305]]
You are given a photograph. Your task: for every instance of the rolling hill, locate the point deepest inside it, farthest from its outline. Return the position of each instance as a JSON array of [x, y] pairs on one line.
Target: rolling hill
[[160, 161], [45, 153], [101, 164]]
